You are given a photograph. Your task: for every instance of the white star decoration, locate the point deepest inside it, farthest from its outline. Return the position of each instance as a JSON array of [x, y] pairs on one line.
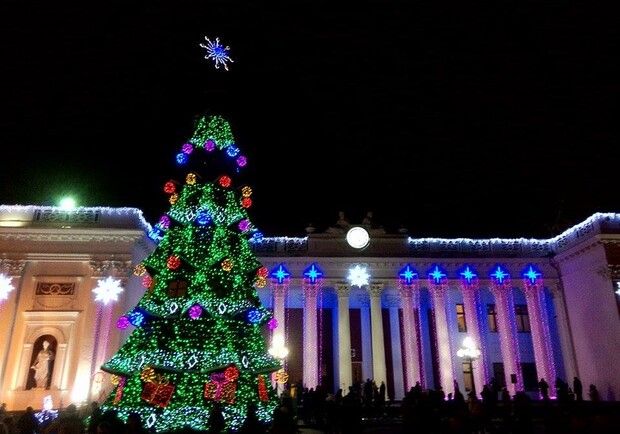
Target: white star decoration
[[108, 290], [358, 276], [218, 53], [5, 286]]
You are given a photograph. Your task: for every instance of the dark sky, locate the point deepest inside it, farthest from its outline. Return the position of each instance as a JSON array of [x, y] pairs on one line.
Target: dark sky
[[455, 119]]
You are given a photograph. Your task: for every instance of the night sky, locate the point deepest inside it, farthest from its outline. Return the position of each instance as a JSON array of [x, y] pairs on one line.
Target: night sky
[[453, 119]]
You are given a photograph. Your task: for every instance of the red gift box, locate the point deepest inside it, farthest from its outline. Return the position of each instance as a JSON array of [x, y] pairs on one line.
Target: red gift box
[[220, 389], [158, 393]]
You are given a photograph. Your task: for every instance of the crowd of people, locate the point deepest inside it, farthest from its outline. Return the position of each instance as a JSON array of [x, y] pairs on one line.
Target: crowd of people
[[71, 421], [421, 411]]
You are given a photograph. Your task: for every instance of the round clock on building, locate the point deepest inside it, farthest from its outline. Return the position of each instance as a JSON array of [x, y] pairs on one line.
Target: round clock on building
[[358, 237]]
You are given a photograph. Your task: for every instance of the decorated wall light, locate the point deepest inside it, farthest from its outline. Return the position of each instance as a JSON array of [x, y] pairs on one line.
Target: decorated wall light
[[407, 274], [280, 273], [468, 275], [108, 290], [437, 275], [313, 273], [531, 274], [498, 274], [358, 276]]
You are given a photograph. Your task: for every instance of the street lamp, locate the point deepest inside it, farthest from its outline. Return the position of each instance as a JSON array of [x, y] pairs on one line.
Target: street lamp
[[469, 352], [279, 350]]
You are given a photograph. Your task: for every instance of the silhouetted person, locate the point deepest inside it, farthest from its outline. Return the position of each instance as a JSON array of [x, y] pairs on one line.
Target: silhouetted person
[[543, 386], [216, 420], [114, 421], [28, 423], [134, 424], [578, 389], [593, 392], [251, 424], [68, 422]]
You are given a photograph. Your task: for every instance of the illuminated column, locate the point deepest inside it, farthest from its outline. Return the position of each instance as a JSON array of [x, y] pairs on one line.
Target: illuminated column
[[397, 355], [410, 300], [98, 333], [473, 331], [279, 312], [311, 348], [9, 301], [366, 333], [345, 372], [566, 342], [446, 370], [543, 355], [278, 337], [378, 342], [507, 328]]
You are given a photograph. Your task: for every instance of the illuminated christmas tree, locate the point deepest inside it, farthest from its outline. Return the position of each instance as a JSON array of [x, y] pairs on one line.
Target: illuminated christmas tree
[[198, 340]]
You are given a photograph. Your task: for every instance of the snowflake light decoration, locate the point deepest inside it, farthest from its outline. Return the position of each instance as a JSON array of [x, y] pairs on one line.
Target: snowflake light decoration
[[5, 286], [218, 53], [358, 276], [108, 290]]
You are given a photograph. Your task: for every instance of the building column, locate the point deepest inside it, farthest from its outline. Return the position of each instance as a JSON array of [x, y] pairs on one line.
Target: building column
[[8, 312], [378, 342], [473, 331], [345, 370], [397, 355], [444, 353], [543, 355], [566, 339], [410, 300], [363, 301], [310, 347], [507, 328], [279, 313]]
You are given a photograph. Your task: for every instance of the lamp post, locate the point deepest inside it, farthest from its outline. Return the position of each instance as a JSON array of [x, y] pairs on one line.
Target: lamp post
[[469, 352], [279, 350]]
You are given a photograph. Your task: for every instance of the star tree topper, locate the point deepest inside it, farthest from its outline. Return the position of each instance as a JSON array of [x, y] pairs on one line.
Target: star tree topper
[[218, 53]]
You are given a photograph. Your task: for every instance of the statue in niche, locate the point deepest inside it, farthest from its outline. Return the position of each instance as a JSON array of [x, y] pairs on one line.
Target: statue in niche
[[43, 365]]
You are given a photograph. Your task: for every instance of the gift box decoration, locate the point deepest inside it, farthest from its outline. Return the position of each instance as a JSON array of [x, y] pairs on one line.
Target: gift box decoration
[[222, 386], [262, 389], [158, 391], [120, 384]]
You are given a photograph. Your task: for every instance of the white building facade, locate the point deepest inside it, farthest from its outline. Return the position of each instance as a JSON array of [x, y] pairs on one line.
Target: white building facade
[[533, 308]]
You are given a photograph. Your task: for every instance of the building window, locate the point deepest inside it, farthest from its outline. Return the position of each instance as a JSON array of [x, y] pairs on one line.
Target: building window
[[492, 318], [177, 289], [522, 318], [460, 317]]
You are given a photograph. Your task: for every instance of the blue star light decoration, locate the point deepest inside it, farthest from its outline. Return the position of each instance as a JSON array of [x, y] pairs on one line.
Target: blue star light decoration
[[313, 273], [407, 274], [280, 273], [499, 275], [468, 275], [531, 274], [437, 275], [218, 53]]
